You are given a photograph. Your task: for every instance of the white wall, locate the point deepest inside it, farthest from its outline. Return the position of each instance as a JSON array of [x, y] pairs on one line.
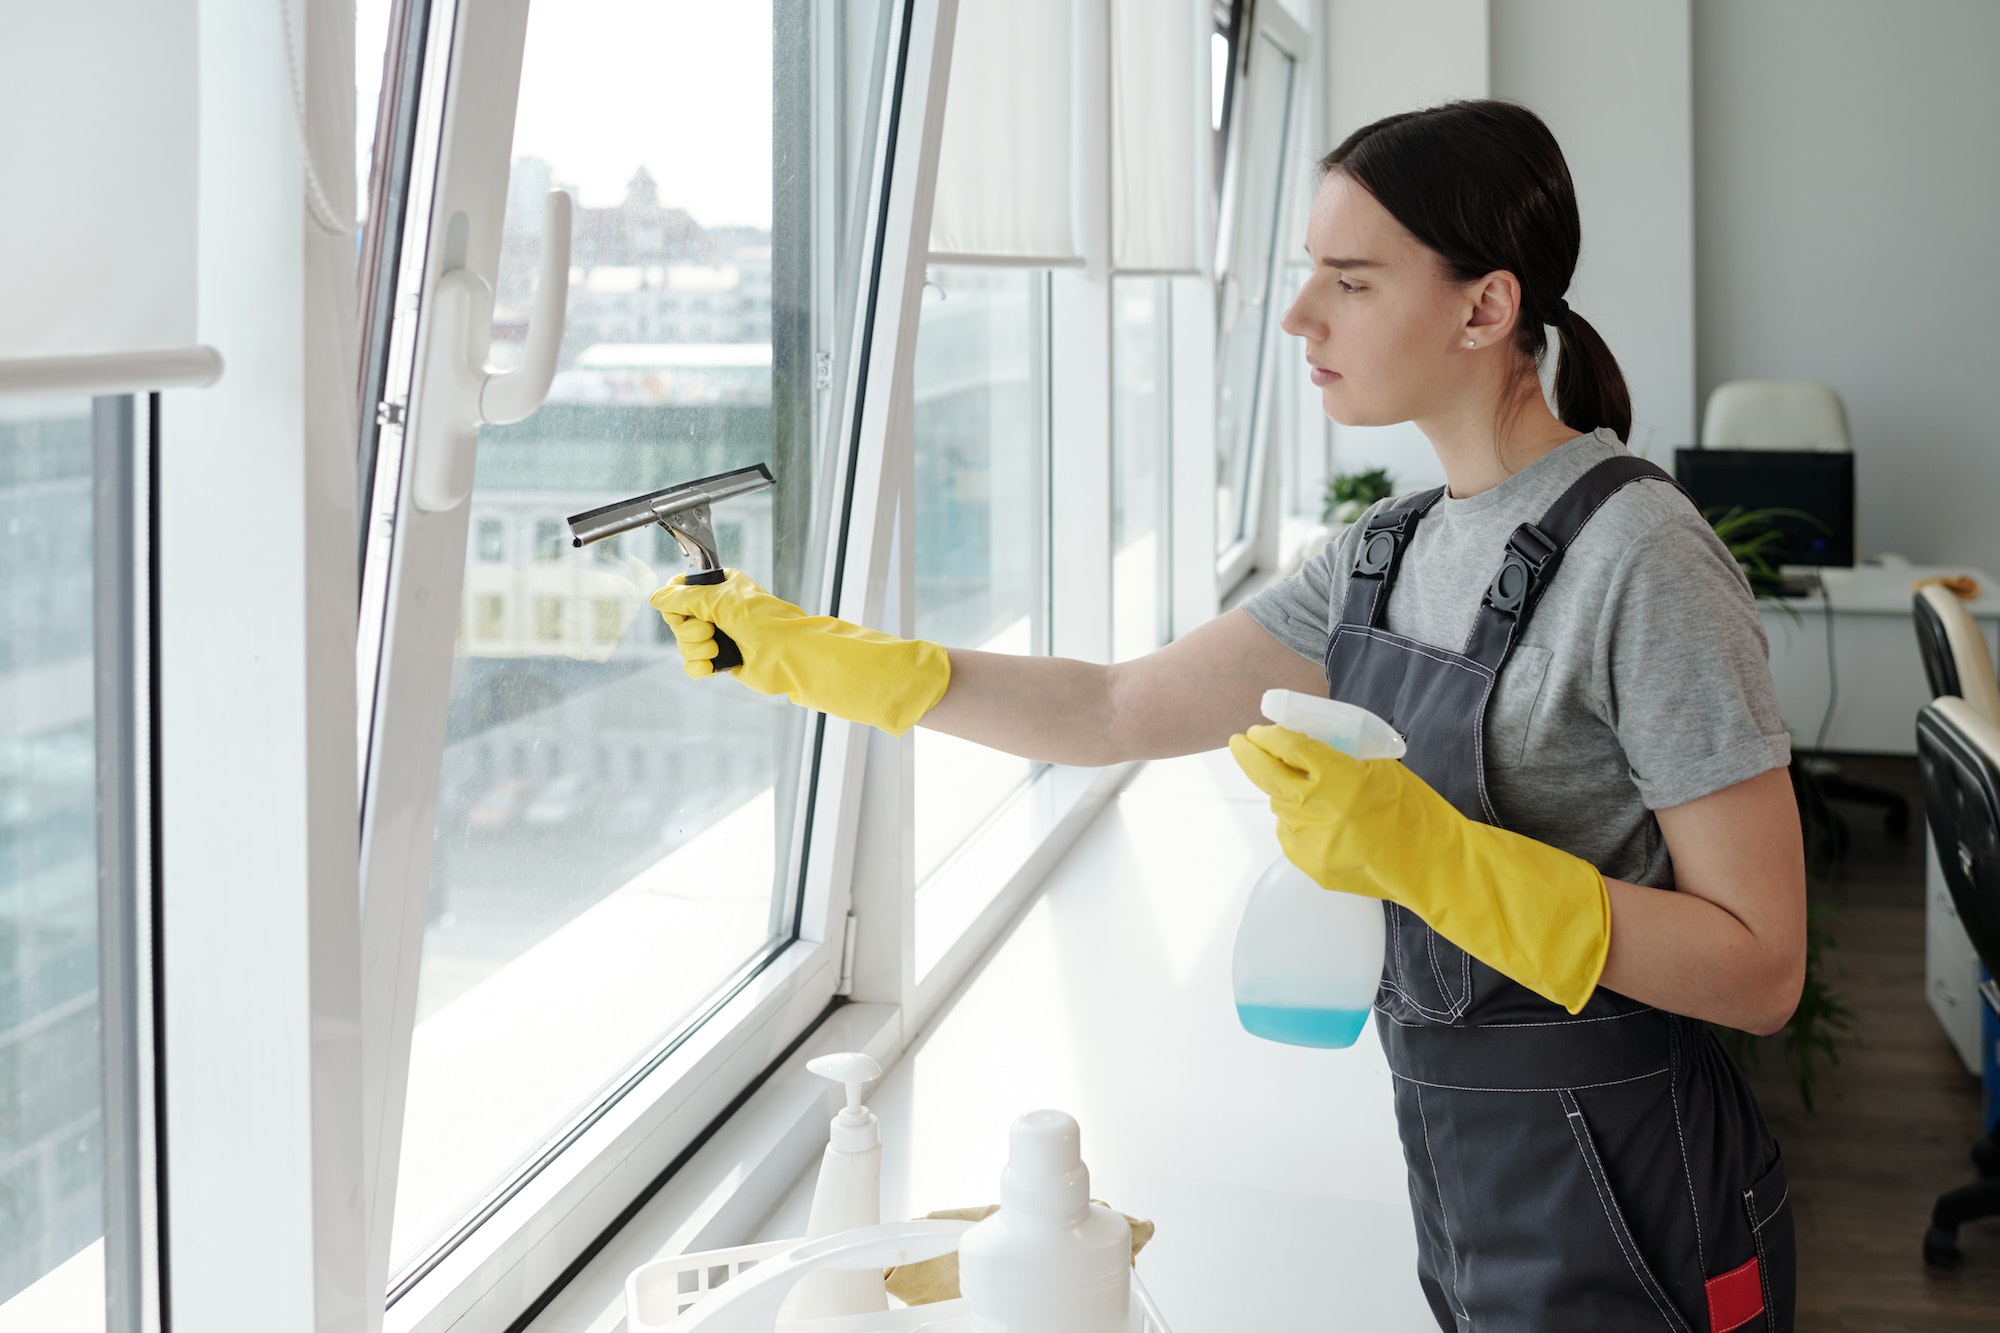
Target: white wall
[[1611, 78], [1847, 182], [1384, 56]]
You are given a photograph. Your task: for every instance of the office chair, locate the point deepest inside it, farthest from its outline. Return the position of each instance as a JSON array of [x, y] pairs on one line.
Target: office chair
[[1959, 752], [1954, 651], [1797, 414]]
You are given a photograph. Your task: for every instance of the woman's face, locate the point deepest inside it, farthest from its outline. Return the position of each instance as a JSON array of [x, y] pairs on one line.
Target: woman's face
[[1384, 329]]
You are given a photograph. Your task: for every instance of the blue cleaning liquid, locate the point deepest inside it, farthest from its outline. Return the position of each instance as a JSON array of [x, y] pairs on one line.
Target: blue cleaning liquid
[[1326, 1029]]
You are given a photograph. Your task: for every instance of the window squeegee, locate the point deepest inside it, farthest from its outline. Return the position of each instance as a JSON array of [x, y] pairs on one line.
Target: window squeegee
[[683, 511]]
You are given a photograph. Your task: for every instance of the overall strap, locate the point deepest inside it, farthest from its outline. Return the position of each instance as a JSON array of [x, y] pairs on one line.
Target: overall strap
[[1382, 547], [1536, 549]]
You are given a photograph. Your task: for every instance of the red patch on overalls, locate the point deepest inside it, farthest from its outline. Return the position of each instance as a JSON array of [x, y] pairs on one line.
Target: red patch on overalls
[[1735, 1298]]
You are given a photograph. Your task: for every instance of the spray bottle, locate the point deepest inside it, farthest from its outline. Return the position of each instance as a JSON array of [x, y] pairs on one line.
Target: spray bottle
[[1309, 959], [847, 1196]]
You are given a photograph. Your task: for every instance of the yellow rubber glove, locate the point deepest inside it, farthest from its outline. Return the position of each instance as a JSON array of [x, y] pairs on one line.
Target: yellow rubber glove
[[830, 665], [1527, 910]]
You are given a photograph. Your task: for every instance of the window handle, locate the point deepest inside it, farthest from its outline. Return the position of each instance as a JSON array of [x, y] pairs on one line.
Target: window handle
[[514, 395], [459, 379]]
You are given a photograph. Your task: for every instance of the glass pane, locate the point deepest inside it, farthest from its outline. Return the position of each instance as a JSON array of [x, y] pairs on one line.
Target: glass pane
[[371, 44], [1300, 421], [51, 1110], [981, 516], [1246, 313], [612, 838], [1139, 417]]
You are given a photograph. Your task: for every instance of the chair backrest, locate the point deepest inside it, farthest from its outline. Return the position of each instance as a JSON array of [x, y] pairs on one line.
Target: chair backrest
[[1954, 651], [1775, 414], [1959, 752]]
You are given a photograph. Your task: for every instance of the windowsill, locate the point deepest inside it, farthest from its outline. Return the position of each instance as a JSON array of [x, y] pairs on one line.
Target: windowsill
[[745, 1171], [1109, 999], [1005, 858]]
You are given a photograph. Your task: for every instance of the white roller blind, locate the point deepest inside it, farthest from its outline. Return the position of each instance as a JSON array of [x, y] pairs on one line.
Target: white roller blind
[[1160, 134], [97, 167], [1003, 181], [1035, 93]]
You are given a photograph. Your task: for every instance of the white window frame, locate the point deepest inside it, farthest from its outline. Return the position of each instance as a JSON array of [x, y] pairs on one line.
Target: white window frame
[[486, 1278], [1258, 547]]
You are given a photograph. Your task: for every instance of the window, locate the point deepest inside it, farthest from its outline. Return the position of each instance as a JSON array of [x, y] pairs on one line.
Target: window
[[69, 868], [492, 540], [1247, 314], [1140, 351], [981, 391], [613, 854], [549, 542]]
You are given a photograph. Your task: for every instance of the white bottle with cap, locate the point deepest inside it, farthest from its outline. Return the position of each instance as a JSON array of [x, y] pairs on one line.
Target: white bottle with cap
[[1308, 959], [848, 1194], [1050, 1261]]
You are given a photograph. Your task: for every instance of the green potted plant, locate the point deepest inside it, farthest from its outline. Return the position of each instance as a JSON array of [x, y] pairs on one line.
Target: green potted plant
[[1822, 1020], [1349, 494]]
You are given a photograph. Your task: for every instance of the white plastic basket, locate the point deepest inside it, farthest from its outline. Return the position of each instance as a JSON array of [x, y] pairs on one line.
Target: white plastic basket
[[659, 1295]]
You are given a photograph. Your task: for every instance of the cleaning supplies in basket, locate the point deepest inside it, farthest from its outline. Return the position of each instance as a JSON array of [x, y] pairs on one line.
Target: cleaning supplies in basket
[[848, 1194], [1308, 959], [1049, 1260]]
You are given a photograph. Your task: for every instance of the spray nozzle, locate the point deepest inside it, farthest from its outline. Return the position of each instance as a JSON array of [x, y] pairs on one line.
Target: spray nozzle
[[854, 1071], [1344, 726]]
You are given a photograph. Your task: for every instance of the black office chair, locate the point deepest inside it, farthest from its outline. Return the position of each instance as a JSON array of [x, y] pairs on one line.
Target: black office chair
[[1959, 752]]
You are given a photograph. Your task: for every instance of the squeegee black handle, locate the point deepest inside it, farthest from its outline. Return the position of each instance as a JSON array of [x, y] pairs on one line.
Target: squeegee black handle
[[727, 655]]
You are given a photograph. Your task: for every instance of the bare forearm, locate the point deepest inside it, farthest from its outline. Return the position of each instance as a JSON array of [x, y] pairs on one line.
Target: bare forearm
[[1189, 696], [1682, 953], [1053, 709]]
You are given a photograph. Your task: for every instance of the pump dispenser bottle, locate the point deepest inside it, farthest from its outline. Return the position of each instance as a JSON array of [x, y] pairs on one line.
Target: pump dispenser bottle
[[848, 1194], [1050, 1261], [1308, 959]]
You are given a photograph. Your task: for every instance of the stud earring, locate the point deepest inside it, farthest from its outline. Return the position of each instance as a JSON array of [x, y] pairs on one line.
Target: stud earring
[[1469, 342]]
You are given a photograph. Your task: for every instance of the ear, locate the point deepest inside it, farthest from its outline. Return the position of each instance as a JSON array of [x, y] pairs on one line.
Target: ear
[[1493, 306]]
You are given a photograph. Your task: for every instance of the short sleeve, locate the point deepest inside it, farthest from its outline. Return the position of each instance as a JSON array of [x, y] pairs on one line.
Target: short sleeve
[[1299, 611], [1683, 667]]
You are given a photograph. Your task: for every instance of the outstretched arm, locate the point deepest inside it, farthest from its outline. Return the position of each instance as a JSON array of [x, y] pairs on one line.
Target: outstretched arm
[[1191, 695]]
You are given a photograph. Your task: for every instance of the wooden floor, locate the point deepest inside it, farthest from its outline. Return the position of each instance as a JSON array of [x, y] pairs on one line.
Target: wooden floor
[[1894, 1119]]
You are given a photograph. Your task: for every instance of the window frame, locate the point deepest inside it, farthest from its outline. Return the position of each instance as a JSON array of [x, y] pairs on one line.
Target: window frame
[[1256, 548], [621, 1146]]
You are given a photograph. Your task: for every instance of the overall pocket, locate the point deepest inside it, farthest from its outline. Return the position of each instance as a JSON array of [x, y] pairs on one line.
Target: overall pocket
[[1614, 1218], [1768, 1205]]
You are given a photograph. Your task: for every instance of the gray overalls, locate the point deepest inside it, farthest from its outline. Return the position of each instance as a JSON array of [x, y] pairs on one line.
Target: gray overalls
[[1609, 1170]]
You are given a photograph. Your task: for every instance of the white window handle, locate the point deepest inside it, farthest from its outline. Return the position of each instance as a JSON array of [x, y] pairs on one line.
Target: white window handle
[[456, 372]]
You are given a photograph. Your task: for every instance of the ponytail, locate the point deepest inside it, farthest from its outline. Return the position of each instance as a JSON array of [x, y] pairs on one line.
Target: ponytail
[[1590, 388], [1484, 184]]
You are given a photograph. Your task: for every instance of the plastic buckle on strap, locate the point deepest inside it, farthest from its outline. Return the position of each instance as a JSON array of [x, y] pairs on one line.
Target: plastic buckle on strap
[[1530, 558], [1386, 533]]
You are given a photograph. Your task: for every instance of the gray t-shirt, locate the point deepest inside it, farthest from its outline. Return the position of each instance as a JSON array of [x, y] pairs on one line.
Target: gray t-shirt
[[1643, 680]]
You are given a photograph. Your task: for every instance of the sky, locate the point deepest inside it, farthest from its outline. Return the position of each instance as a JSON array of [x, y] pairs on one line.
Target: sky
[[682, 87]]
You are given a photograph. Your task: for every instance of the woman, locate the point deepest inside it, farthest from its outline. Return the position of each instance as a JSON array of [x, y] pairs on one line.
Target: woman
[[1591, 849]]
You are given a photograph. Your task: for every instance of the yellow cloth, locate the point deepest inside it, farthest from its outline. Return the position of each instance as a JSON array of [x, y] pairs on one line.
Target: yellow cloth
[[819, 662], [1370, 826], [936, 1280]]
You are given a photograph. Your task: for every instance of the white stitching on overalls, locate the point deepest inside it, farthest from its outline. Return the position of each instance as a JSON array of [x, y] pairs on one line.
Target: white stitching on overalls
[[1613, 1220], [1680, 1133], [1567, 1087], [1784, 1195], [1444, 1219]]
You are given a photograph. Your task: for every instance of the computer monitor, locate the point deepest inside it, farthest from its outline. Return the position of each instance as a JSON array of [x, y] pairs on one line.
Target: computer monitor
[[1819, 484]]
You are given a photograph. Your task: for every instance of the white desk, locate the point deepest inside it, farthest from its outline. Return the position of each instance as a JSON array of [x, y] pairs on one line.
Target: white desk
[[1875, 657]]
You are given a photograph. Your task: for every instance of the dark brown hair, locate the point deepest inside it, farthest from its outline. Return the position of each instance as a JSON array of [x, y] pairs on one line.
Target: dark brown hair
[[1484, 185]]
